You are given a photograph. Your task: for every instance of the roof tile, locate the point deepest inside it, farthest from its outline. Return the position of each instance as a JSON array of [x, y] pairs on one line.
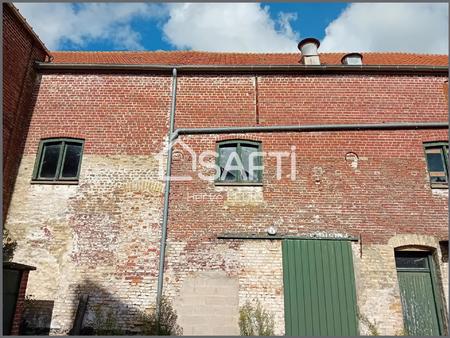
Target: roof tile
[[213, 58]]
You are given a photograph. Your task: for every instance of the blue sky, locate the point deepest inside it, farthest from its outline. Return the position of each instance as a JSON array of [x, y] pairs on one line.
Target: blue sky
[[240, 27], [312, 20]]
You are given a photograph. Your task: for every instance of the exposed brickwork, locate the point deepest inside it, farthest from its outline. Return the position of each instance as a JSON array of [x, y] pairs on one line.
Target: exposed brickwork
[[115, 114], [328, 194], [103, 235], [100, 237], [20, 303], [292, 99], [20, 50]]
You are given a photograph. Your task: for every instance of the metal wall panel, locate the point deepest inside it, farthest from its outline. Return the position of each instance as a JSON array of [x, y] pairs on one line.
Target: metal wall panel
[[319, 288]]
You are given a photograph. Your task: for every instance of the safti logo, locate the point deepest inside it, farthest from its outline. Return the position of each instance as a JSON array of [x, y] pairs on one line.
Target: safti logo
[[227, 166]]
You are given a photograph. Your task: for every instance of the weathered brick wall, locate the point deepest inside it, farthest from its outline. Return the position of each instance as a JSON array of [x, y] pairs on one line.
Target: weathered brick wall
[[387, 194], [20, 50], [103, 234], [20, 303], [383, 193], [225, 100]]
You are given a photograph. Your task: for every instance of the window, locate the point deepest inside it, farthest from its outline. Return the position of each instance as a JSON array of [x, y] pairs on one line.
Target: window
[[58, 160], [239, 162], [437, 161]]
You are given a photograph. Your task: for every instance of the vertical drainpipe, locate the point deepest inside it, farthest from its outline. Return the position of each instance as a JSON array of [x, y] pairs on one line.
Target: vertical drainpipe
[[256, 100], [162, 249]]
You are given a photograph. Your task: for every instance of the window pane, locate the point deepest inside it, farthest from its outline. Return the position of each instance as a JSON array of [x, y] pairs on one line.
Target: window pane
[[72, 160], [411, 261], [50, 160], [224, 154], [435, 162], [246, 150]]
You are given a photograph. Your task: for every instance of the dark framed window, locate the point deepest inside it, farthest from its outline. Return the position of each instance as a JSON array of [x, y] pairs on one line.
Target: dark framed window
[[239, 161], [436, 154], [58, 159]]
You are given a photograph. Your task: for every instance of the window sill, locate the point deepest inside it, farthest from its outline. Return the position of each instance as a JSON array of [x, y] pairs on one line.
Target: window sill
[[239, 184], [54, 182], [439, 186]]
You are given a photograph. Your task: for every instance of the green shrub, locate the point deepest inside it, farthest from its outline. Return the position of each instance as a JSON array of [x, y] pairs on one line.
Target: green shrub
[[401, 332], [165, 326], [105, 323], [9, 245], [255, 321], [371, 326]]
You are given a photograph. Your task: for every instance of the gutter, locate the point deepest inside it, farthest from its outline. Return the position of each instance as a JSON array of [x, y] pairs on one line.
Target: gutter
[[311, 128], [162, 249], [246, 68]]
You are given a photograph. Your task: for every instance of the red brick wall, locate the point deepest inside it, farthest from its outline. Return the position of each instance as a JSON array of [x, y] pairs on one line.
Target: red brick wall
[[307, 99], [20, 50], [116, 114], [115, 228], [388, 193], [20, 304]]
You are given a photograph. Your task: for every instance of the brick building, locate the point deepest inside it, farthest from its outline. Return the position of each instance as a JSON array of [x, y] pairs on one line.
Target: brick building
[[348, 214], [21, 48]]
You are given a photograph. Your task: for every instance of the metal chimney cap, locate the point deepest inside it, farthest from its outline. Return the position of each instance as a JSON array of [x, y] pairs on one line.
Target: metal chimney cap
[[308, 40], [353, 56]]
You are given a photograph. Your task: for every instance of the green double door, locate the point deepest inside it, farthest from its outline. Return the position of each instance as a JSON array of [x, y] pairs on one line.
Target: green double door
[[319, 288], [420, 296]]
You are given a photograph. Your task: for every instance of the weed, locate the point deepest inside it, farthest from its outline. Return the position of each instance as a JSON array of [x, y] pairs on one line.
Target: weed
[[255, 321]]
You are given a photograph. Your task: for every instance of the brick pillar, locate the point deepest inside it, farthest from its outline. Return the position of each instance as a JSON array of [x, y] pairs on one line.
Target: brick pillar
[[20, 304]]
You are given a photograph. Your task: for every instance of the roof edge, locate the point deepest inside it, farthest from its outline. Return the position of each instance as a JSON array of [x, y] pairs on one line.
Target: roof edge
[[245, 68], [27, 26]]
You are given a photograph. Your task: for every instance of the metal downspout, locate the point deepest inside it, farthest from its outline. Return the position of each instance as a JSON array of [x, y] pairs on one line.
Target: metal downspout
[[311, 128], [162, 249]]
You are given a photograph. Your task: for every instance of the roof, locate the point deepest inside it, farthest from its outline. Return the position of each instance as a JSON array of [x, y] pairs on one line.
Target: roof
[[215, 58], [27, 26], [17, 266]]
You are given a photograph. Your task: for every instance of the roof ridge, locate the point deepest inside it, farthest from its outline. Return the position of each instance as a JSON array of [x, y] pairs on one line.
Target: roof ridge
[[236, 53], [165, 51]]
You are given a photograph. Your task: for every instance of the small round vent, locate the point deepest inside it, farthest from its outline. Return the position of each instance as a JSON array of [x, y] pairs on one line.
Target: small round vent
[[352, 59]]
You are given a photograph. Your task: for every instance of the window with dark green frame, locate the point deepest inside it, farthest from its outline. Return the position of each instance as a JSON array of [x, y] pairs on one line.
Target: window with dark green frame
[[58, 160], [239, 161], [436, 154]]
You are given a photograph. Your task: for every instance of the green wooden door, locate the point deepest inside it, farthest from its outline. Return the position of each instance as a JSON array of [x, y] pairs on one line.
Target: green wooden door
[[419, 294], [319, 288]]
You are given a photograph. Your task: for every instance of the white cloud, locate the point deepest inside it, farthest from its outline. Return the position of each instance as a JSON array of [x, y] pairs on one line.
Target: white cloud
[[240, 27], [237, 27], [56, 23], [405, 27]]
